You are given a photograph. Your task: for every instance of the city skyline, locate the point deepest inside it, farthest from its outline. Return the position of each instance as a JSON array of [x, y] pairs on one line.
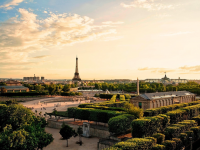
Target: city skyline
[[118, 39]]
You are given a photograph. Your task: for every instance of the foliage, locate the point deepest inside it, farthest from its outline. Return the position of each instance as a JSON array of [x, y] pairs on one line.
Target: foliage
[[120, 124], [131, 109], [171, 145], [20, 129], [3, 90], [67, 132], [160, 137], [71, 94], [122, 98], [140, 127], [92, 114], [179, 143], [158, 147]]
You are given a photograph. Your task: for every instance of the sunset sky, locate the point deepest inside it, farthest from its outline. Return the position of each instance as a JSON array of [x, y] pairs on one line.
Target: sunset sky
[[113, 39]]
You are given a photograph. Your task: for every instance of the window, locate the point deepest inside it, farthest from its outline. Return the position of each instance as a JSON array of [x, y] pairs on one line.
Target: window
[[140, 104]]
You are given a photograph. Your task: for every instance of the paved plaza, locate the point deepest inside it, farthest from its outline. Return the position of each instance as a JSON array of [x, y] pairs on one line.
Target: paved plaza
[[88, 143]]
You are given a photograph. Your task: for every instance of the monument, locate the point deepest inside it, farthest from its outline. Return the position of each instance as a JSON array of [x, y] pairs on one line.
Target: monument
[[76, 74]]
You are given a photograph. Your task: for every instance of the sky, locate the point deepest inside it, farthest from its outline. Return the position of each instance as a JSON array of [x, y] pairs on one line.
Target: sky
[[113, 39]]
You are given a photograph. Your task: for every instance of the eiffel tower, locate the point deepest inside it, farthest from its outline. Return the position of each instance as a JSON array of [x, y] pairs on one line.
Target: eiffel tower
[[76, 74]]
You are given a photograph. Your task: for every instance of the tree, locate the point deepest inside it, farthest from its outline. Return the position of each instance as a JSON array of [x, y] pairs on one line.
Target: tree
[[3, 90], [67, 132], [131, 109], [52, 89], [66, 87]]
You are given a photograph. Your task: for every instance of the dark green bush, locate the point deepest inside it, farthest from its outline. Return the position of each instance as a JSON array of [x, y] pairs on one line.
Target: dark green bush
[[179, 143], [140, 127], [158, 147], [160, 137], [197, 119], [72, 112], [196, 131], [120, 124], [169, 145]]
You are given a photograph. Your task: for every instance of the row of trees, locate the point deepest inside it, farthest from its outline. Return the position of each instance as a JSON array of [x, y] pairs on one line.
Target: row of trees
[[149, 87], [21, 129]]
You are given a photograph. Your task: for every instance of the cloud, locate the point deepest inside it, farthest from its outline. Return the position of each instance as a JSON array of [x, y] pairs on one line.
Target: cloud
[[44, 56], [45, 12], [11, 4], [112, 38], [190, 69], [24, 34], [147, 4], [156, 70], [112, 23], [177, 33]]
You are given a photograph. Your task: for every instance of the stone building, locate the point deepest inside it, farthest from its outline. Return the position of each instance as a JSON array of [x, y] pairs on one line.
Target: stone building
[[166, 80], [155, 100]]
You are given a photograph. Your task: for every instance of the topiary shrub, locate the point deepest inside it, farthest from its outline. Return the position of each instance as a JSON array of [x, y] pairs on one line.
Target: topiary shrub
[[160, 137], [158, 147], [169, 145], [140, 127], [197, 119], [120, 124], [72, 112], [196, 131], [179, 143]]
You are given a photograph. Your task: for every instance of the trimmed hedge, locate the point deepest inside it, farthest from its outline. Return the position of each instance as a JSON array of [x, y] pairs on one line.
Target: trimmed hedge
[[120, 124], [122, 98], [169, 145], [107, 96], [92, 114], [149, 125], [136, 143], [158, 147], [160, 137], [105, 108], [107, 104], [127, 96], [113, 99], [165, 109]]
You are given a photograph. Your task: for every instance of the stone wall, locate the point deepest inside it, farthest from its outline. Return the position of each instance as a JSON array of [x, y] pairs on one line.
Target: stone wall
[[93, 131]]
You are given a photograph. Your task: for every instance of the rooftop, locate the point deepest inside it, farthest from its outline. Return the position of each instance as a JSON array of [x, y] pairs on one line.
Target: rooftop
[[165, 94]]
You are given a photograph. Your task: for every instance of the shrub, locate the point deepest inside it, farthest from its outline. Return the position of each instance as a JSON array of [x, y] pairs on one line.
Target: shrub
[[172, 132], [113, 99], [160, 137], [72, 112], [183, 138], [84, 105], [107, 96], [179, 143], [158, 147], [120, 124], [169, 145], [131, 109], [176, 116], [140, 127], [197, 119], [127, 96], [122, 98], [196, 131]]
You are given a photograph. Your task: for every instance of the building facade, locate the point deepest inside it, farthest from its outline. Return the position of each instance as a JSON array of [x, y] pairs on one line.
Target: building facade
[[166, 80], [159, 99]]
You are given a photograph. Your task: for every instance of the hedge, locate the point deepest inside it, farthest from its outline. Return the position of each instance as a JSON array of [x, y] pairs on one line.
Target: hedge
[[113, 99], [107, 104], [120, 124], [158, 147], [175, 130], [92, 114], [122, 98], [169, 145], [127, 96], [105, 108], [107, 96], [160, 137], [136, 143], [165, 109], [24, 94], [149, 125], [197, 119]]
